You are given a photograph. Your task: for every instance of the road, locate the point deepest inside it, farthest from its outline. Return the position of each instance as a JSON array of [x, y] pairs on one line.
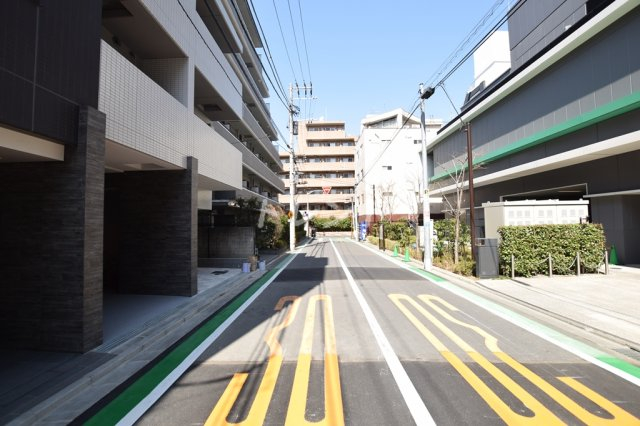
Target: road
[[344, 335]]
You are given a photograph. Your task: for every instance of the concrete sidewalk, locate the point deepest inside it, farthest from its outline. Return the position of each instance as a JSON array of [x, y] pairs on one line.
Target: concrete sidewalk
[[608, 305]]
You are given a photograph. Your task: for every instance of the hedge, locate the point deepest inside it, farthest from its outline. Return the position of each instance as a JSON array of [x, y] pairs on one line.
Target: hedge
[[328, 224], [532, 245]]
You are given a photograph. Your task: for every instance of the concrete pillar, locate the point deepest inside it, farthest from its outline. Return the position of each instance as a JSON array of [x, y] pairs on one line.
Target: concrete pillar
[[157, 230], [51, 236]]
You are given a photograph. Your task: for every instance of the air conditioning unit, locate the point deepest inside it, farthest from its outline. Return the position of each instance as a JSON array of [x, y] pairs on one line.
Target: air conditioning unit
[[265, 194], [256, 189], [245, 184]]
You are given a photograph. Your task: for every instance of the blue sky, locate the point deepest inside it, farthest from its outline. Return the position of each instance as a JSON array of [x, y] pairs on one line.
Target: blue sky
[[369, 57]]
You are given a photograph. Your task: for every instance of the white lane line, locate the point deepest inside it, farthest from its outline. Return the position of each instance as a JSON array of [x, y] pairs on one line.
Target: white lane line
[[418, 410], [172, 377]]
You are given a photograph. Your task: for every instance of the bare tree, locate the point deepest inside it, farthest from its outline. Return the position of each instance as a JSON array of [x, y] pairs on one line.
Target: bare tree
[[453, 202], [387, 198]]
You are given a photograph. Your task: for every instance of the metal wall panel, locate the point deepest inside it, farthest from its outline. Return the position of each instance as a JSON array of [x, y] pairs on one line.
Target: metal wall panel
[[603, 70], [59, 40], [538, 23]]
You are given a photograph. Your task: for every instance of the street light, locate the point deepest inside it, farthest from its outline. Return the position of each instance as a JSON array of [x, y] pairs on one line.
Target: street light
[[425, 93]]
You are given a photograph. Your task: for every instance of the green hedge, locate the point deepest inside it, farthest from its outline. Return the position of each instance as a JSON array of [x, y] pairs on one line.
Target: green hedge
[[331, 224], [532, 245]]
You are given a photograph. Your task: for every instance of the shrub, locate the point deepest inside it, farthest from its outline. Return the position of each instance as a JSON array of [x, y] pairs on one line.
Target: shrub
[[329, 224], [532, 245], [445, 237]]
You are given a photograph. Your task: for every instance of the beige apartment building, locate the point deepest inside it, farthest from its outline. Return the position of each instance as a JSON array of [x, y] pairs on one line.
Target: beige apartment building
[[325, 168]]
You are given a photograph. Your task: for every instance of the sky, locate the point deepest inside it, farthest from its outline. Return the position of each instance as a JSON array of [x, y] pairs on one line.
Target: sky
[[369, 57]]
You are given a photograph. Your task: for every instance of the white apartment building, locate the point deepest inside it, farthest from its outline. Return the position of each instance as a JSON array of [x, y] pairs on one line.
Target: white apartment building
[[389, 166]]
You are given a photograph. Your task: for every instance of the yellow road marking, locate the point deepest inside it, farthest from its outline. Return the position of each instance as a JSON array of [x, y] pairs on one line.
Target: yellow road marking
[[541, 414], [258, 410], [332, 392], [620, 416], [492, 344]]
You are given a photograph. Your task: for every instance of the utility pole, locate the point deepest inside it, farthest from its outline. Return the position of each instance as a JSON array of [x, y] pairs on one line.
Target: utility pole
[[293, 175], [472, 216], [426, 212], [374, 204]]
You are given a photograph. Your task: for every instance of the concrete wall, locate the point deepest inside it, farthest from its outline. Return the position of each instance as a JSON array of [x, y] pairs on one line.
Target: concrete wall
[[51, 251], [151, 231]]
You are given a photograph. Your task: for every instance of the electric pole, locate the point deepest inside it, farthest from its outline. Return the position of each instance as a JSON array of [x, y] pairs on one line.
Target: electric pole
[[472, 216], [293, 175], [426, 212]]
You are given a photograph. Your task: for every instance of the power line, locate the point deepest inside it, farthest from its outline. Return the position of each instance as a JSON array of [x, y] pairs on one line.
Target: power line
[[275, 8], [504, 19], [282, 94], [295, 39], [218, 61], [439, 71], [304, 39]]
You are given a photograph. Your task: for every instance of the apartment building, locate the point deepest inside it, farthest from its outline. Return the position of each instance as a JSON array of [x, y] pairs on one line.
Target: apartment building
[[389, 166], [121, 122], [325, 169], [563, 123]]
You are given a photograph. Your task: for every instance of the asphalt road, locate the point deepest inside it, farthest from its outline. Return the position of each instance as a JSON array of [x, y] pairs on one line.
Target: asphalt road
[[346, 336]]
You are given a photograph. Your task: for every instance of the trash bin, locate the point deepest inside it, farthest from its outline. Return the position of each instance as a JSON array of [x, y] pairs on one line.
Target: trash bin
[[487, 251], [262, 265]]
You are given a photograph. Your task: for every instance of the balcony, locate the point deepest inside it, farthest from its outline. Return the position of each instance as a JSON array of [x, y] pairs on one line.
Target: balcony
[[259, 134], [249, 160], [149, 129]]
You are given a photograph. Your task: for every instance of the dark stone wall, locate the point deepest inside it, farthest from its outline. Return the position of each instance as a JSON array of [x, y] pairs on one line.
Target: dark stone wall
[[51, 228], [151, 231], [49, 64], [227, 241]]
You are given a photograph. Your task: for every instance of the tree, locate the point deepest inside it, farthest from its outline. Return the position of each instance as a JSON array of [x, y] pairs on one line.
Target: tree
[[453, 202], [387, 198]]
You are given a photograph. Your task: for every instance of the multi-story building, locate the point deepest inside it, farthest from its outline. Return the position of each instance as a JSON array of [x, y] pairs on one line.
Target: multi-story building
[[389, 166], [564, 122], [119, 121], [325, 169]]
